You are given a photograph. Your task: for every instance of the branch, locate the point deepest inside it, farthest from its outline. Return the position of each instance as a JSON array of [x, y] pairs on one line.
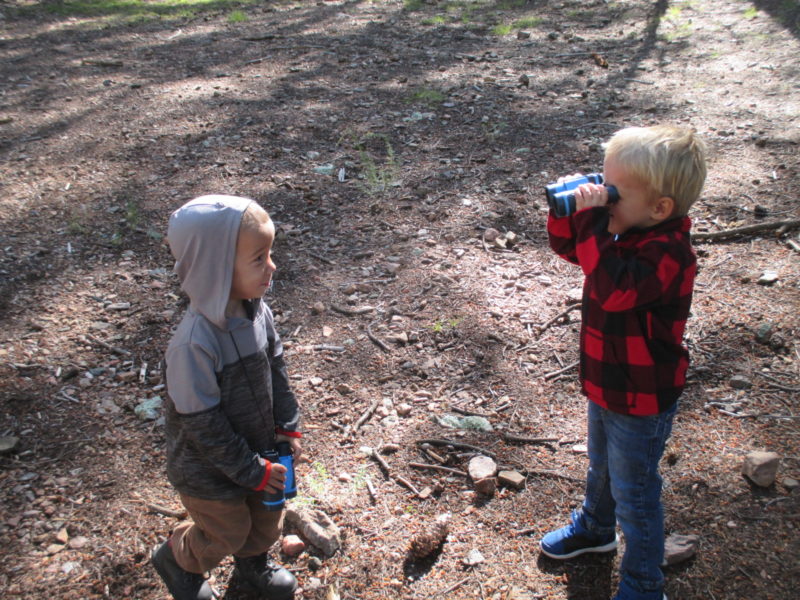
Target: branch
[[569, 367], [746, 230], [377, 341], [512, 437], [457, 445], [438, 468], [541, 329]]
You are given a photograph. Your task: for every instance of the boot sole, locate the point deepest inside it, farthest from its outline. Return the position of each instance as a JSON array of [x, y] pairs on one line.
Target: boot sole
[[612, 545], [255, 589]]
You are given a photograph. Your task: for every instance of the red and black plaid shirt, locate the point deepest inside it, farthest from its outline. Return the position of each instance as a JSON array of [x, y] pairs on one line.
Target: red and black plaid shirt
[[636, 299]]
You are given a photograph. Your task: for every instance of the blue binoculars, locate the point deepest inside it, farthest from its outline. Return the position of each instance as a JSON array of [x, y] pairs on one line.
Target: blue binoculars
[[281, 455], [561, 196]]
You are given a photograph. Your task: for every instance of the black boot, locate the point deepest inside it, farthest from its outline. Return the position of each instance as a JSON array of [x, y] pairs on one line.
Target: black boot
[[272, 581], [181, 584]]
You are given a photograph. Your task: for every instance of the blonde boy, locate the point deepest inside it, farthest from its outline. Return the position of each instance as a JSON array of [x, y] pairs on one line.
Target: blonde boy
[[639, 270], [229, 400]]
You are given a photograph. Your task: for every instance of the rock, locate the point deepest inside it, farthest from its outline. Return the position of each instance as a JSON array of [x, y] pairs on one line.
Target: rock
[[740, 382], [291, 545], [473, 558], [511, 479], [523, 35], [119, 306], [761, 467], [768, 278], [490, 235], [344, 477], [486, 486], [314, 563], [580, 449], [8, 444], [404, 409], [574, 295], [470, 422], [317, 528], [78, 542], [790, 483], [390, 448], [764, 333], [678, 548], [318, 308], [327, 331], [481, 467], [344, 389], [148, 410]]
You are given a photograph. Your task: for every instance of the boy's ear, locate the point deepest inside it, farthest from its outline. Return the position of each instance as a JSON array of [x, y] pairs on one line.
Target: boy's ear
[[662, 208]]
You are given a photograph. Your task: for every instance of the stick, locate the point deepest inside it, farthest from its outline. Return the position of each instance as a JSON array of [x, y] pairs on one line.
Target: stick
[[352, 312], [322, 347], [371, 488], [167, 512], [526, 531], [569, 367], [512, 437], [405, 482], [378, 459], [747, 229], [438, 468], [560, 315], [364, 417], [380, 344], [556, 476], [457, 445], [469, 413], [107, 346], [453, 587]]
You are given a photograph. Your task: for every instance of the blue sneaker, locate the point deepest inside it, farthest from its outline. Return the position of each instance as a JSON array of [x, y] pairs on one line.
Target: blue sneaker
[[574, 540]]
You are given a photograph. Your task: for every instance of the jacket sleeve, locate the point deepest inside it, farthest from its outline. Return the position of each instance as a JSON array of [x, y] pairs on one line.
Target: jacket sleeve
[[654, 273], [193, 389], [561, 232], [285, 408]]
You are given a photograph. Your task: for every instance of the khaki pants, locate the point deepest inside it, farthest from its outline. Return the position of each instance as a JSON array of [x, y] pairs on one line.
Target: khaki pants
[[219, 528]]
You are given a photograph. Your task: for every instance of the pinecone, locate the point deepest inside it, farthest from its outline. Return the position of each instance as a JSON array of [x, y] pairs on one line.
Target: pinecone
[[428, 541]]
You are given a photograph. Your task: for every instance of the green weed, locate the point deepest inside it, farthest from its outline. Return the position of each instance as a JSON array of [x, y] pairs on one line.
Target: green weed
[[751, 13], [528, 23], [437, 20], [135, 9], [237, 16], [501, 30], [426, 96], [412, 5]]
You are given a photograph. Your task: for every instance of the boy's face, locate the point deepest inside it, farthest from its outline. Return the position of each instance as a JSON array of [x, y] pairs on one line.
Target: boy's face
[[253, 267], [636, 206]]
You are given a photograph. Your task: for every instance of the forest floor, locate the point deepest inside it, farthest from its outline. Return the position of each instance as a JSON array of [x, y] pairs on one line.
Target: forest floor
[[445, 120]]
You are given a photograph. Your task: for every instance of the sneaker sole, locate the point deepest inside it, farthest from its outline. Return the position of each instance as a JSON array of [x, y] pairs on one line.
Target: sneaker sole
[[595, 550]]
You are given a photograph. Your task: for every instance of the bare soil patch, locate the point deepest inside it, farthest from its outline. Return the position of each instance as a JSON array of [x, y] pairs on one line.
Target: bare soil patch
[[444, 119]]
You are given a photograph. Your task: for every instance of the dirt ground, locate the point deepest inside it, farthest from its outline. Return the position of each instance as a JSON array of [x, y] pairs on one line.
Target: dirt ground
[[387, 139]]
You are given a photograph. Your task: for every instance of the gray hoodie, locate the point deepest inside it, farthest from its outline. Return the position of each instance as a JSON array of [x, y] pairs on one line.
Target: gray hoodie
[[228, 390]]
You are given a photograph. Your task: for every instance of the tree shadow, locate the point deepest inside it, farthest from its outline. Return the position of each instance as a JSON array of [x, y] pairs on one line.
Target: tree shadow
[[589, 577]]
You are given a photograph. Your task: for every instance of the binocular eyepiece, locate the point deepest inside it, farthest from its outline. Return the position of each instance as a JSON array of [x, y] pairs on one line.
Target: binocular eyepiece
[[281, 455], [561, 196]]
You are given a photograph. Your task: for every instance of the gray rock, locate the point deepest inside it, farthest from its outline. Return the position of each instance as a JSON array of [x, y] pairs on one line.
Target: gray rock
[[317, 528], [486, 486], [481, 467], [761, 467], [511, 479], [678, 548], [790, 483], [149, 410], [768, 278], [8, 444], [474, 558], [764, 333], [740, 382]]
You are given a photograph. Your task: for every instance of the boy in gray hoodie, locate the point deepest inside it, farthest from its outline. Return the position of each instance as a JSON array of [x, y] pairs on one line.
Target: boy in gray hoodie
[[228, 401]]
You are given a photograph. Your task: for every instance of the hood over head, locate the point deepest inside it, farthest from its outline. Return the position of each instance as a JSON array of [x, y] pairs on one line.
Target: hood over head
[[202, 235]]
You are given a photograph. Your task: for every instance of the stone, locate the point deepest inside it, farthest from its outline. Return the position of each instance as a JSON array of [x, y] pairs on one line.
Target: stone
[[148, 410], [404, 409], [8, 444], [473, 558], [740, 382], [317, 528], [761, 467], [511, 479], [78, 542], [317, 308], [486, 486], [481, 467], [790, 483], [768, 278], [292, 545], [580, 449], [314, 563], [344, 389], [764, 333], [678, 548]]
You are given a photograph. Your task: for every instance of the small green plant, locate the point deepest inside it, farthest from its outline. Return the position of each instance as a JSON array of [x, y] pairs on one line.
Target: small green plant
[[528, 23], [437, 20], [751, 13], [133, 214], [317, 480], [440, 325], [509, 4], [237, 16], [493, 130], [377, 177], [427, 96], [360, 479], [412, 5], [501, 30]]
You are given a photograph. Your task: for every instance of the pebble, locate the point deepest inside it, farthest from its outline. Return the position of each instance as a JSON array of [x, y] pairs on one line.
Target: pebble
[[8, 444], [292, 545], [761, 467], [790, 483], [474, 558], [481, 467], [678, 548], [768, 278], [740, 382], [512, 479]]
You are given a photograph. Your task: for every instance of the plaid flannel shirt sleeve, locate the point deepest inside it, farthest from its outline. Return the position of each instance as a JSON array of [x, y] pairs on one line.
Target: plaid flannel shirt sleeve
[[561, 232], [620, 283]]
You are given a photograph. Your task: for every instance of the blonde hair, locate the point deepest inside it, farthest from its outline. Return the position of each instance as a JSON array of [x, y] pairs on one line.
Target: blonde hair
[[254, 217], [670, 160]]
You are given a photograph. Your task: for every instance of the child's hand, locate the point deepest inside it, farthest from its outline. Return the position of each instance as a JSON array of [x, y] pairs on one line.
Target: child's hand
[[277, 478], [297, 450], [590, 194]]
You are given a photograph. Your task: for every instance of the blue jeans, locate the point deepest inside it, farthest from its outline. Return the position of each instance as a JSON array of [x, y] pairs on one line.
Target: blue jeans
[[623, 485]]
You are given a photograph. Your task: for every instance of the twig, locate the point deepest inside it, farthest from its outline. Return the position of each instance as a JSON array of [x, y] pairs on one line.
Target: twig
[[437, 442], [469, 413], [453, 587], [319, 257], [555, 475], [526, 531], [352, 312], [371, 488], [569, 309], [365, 416], [379, 459], [569, 367], [167, 512], [747, 229], [107, 346], [406, 483], [438, 468], [322, 347], [375, 340], [512, 437]]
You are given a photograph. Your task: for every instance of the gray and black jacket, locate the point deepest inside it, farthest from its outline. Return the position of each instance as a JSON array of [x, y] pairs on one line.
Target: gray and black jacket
[[228, 389]]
